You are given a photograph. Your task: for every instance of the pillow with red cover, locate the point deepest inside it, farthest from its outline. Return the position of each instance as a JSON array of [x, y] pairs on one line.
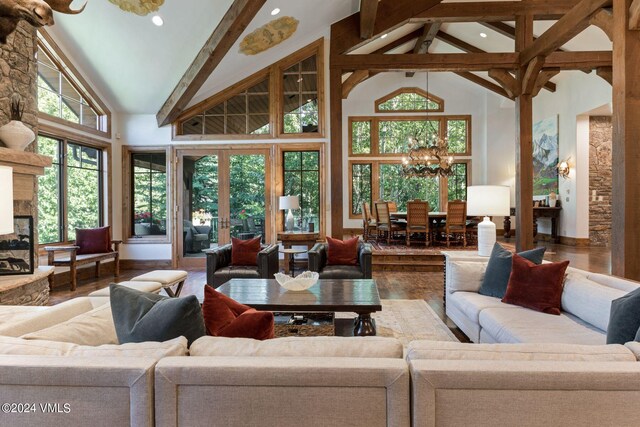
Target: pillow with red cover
[[342, 252], [225, 317], [537, 287], [93, 240], [245, 252]]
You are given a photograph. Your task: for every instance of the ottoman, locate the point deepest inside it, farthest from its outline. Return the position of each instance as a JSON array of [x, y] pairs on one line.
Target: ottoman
[[140, 286], [167, 278]]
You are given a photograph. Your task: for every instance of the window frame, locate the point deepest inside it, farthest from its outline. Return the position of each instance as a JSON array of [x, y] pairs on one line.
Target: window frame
[[104, 173], [422, 92], [127, 188]]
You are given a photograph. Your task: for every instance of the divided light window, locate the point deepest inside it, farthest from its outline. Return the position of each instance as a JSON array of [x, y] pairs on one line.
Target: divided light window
[[302, 179], [361, 174], [70, 193], [149, 194], [409, 100], [300, 97]]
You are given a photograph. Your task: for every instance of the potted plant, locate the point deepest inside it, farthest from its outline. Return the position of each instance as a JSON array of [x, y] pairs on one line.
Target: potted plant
[[15, 134]]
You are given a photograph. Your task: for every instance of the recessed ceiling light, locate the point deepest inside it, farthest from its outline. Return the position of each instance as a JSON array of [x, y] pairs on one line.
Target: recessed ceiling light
[[275, 11], [483, 35], [157, 20], [384, 36]]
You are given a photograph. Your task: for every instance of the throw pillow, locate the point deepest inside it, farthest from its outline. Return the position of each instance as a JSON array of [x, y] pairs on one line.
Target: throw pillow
[[225, 317], [496, 276], [538, 287], [93, 240], [245, 252], [624, 320], [341, 252], [143, 316]]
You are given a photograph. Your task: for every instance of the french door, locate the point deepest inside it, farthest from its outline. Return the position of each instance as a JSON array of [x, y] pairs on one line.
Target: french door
[[220, 194]]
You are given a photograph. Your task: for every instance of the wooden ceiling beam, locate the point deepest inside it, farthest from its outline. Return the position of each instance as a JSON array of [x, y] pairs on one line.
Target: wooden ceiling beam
[[605, 73], [583, 61], [603, 19], [229, 29], [368, 12], [432, 62], [484, 83], [543, 78], [566, 28], [634, 15], [424, 41], [531, 74], [508, 83], [354, 80]]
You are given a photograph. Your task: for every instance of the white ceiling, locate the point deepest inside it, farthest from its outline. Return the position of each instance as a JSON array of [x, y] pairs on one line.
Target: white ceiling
[[134, 64]]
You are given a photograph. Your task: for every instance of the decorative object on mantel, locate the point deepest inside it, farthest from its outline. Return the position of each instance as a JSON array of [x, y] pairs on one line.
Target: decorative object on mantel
[[429, 157], [139, 7], [301, 283], [269, 35], [15, 134], [289, 203], [6, 200], [553, 199], [38, 13], [564, 169], [488, 200], [16, 249]]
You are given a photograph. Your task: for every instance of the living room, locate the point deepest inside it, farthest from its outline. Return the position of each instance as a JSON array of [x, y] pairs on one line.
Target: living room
[[212, 212]]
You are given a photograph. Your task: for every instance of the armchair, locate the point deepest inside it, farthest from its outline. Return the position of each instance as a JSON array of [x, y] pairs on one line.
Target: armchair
[[220, 270], [196, 237], [363, 270]]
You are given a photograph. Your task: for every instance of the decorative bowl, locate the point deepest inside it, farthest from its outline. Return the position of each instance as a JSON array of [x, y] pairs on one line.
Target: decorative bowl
[[301, 283]]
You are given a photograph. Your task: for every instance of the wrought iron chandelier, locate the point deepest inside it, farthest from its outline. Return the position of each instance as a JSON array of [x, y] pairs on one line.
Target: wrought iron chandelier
[[429, 157]]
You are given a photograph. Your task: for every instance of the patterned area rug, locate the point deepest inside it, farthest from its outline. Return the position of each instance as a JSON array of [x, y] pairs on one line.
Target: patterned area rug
[[409, 320], [417, 248]]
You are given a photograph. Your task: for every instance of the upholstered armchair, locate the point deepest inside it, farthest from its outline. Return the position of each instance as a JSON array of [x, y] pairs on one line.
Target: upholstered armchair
[[220, 270], [363, 270], [196, 238]]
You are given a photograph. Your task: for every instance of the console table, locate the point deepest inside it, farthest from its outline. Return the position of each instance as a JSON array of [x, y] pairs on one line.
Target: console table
[[296, 238], [539, 212]]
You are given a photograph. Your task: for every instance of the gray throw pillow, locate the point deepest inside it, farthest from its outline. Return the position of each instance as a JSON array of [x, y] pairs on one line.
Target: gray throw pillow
[[144, 316], [624, 320], [496, 277]]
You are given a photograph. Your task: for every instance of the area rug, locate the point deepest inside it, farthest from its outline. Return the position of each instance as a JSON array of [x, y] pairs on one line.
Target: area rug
[[400, 247], [408, 320]]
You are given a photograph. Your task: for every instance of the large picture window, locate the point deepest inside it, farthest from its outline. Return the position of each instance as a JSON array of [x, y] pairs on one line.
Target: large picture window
[[302, 178], [149, 194]]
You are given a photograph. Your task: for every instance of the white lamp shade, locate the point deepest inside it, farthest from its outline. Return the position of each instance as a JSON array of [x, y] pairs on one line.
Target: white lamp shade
[[488, 200], [289, 202], [6, 200]]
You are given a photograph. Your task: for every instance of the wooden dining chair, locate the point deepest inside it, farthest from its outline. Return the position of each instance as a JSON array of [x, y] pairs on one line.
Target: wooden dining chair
[[393, 207], [385, 225], [456, 221], [418, 220], [369, 224]]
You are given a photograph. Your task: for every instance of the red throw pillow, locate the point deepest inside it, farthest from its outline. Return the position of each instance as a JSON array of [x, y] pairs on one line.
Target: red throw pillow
[[245, 252], [342, 252], [93, 240], [538, 287], [225, 317]]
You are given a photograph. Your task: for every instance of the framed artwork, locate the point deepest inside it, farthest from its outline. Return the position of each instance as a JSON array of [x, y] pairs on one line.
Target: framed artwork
[[545, 156], [17, 249]]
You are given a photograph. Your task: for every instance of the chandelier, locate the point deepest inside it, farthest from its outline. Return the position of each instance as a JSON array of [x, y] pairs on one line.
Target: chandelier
[[430, 157]]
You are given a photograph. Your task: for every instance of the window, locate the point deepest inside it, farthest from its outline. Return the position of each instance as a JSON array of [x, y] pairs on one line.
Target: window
[[394, 135], [361, 174], [302, 178], [62, 95], [457, 183], [360, 136], [401, 189], [300, 97], [409, 100], [70, 193], [149, 194]]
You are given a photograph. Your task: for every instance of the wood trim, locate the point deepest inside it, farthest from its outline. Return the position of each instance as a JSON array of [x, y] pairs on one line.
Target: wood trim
[[422, 92]]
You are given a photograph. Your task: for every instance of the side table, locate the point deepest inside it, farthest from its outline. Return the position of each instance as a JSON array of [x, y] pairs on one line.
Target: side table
[[291, 254]]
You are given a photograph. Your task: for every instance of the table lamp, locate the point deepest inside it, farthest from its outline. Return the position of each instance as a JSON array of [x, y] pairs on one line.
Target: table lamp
[[488, 200], [6, 200], [289, 202]]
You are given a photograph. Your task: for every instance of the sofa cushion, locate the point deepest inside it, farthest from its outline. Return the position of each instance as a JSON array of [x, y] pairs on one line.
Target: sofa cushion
[[245, 252], [619, 283], [156, 350], [16, 313], [520, 325], [496, 277], [624, 320], [94, 327], [444, 350], [588, 300], [93, 240], [369, 347], [342, 252], [341, 272], [465, 276], [225, 317], [143, 316], [538, 287], [472, 304], [634, 346]]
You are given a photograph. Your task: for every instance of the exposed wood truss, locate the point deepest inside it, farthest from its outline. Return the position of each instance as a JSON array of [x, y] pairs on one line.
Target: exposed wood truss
[[508, 83], [484, 83], [603, 19], [543, 79], [354, 80], [634, 15], [531, 74], [605, 73], [424, 41], [223, 37], [368, 12], [492, 11]]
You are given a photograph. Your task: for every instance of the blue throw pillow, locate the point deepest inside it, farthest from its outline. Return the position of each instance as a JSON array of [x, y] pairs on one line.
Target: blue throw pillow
[[496, 277], [624, 320], [144, 316]]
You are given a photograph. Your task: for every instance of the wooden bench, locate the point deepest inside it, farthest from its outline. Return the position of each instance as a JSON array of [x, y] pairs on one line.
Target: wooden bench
[[74, 260]]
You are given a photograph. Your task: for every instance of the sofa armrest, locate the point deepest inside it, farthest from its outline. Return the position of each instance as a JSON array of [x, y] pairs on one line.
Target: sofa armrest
[[217, 258], [202, 229], [268, 262], [365, 255], [318, 257]]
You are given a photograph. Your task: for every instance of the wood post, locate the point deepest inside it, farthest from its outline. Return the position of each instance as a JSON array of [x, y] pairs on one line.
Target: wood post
[[625, 232], [337, 175]]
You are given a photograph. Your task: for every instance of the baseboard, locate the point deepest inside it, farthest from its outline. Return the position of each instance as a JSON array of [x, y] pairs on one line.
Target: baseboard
[[139, 264]]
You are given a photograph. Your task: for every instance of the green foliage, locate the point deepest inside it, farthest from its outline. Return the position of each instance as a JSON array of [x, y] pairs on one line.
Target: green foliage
[[302, 179], [457, 186], [408, 102], [360, 186], [49, 193], [457, 136], [396, 187], [361, 137], [149, 193], [394, 135], [303, 119]]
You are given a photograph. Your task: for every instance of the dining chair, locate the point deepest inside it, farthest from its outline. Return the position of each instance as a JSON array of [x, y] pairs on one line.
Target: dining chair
[[418, 220], [456, 221], [393, 207], [369, 224], [385, 225]]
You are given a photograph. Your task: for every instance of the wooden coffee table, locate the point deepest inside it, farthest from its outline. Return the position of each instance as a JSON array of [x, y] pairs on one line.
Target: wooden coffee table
[[357, 296]]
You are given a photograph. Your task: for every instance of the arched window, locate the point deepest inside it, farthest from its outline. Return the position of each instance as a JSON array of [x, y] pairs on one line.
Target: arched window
[[409, 100]]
